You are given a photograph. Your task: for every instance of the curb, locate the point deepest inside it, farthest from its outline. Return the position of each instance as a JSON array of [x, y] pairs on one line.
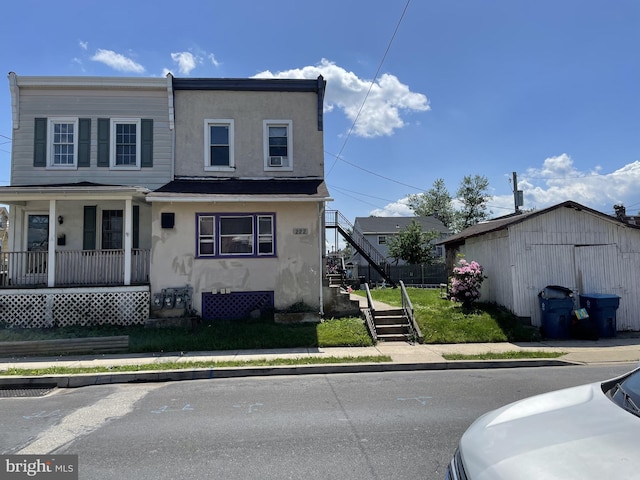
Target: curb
[[83, 380]]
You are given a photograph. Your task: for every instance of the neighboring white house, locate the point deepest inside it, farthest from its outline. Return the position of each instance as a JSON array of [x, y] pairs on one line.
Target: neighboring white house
[[236, 168], [568, 244]]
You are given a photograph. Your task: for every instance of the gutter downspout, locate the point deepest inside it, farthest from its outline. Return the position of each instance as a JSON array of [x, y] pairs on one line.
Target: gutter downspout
[[321, 231]]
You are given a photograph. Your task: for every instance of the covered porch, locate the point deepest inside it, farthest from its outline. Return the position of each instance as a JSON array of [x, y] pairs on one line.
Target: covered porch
[[76, 235]]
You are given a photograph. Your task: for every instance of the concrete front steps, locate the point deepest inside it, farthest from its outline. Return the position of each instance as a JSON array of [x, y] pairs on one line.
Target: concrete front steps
[[391, 325]]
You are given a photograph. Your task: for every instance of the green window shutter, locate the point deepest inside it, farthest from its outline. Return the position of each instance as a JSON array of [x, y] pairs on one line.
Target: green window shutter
[[40, 143], [146, 147], [136, 226], [89, 229], [84, 142], [104, 125]]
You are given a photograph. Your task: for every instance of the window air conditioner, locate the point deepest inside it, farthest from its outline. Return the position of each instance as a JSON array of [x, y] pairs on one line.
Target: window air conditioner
[[277, 161]]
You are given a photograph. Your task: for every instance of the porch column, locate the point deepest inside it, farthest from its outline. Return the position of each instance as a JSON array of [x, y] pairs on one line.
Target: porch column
[[51, 250], [128, 240]]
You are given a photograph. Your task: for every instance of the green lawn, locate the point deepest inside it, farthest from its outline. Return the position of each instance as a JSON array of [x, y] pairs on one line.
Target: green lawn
[[219, 335], [443, 321]]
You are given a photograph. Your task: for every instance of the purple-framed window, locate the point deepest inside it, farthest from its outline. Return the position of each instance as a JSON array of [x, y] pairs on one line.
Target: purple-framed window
[[223, 235]]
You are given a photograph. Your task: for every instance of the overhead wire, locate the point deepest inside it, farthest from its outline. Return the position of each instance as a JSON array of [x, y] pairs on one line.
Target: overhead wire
[[375, 77]]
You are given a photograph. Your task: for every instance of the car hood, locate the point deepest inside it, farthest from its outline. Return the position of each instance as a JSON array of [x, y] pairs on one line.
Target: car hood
[[576, 433]]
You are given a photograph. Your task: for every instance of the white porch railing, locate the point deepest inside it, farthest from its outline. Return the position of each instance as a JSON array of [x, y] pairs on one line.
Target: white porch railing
[[73, 268]]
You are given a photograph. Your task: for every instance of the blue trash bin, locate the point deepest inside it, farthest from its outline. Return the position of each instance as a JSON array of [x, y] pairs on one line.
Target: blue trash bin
[[556, 317], [602, 309], [556, 306]]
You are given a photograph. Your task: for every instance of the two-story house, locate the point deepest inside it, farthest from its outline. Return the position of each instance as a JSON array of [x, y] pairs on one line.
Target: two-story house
[[242, 223], [124, 187]]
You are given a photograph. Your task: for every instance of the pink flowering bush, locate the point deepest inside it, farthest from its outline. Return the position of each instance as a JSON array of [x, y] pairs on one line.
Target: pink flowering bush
[[466, 282]]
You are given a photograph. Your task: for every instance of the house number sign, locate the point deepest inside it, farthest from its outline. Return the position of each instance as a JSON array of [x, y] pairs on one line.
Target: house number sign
[[301, 231]]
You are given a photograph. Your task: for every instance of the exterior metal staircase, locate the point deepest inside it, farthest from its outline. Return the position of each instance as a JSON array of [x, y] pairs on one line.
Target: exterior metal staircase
[[334, 219]]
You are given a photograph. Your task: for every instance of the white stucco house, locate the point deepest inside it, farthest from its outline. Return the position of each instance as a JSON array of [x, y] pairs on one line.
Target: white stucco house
[[568, 245], [124, 189]]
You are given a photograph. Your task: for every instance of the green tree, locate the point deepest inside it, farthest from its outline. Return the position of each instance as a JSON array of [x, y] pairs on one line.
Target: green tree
[[413, 245], [435, 202], [473, 194]]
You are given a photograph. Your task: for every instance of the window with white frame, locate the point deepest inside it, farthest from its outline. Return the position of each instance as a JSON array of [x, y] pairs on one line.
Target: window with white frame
[[382, 239], [218, 144], [278, 145], [63, 142], [226, 235], [125, 143]]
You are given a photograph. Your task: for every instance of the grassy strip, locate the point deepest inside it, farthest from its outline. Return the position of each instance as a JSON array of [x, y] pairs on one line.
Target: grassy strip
[[504, 355], [216, 335], [192, 365]]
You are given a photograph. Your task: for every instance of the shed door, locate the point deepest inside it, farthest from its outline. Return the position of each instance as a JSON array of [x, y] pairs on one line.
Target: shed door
[[597, 269]]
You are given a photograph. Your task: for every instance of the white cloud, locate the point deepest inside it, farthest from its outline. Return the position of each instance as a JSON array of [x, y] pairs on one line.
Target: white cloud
[[213, 60], [186, 61], [117, 61], [387, 101], [84, 45], [398, 208], [556, 181]]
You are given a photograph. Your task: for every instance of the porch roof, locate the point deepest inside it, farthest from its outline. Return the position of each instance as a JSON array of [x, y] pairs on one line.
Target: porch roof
[[70, 191], [236, 190]]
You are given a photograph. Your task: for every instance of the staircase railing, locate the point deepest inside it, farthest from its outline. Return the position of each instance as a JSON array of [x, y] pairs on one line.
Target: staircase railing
[[369, 314], [334, 219], [407, 307]]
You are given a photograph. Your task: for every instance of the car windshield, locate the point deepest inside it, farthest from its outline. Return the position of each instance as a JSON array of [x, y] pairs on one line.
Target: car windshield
[[625, 392]]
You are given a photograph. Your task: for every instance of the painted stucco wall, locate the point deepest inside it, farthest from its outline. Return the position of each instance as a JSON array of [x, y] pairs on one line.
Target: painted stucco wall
[[293, 274], [247, 110]]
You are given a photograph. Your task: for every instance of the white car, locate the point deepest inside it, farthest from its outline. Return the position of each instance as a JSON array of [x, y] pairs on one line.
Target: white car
[[586, 432]]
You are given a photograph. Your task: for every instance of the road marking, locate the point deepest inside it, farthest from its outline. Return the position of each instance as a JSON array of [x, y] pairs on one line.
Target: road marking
[[422, 400], [88, 419]]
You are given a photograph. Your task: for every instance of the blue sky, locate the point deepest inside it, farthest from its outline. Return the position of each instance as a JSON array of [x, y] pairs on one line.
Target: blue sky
[[548, 89]]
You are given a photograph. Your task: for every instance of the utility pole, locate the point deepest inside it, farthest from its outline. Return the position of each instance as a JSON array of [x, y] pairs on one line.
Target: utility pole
[[518, 197]]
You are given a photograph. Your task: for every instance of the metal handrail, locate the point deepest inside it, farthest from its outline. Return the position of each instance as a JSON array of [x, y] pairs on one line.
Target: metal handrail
[[407, 308], [370, 313], [334, 219]]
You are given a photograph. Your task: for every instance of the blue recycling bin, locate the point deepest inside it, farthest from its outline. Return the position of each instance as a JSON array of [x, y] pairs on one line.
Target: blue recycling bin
[[602, 309]]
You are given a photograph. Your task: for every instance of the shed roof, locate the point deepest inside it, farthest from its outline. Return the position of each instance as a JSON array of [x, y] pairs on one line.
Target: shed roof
[[504, 222]]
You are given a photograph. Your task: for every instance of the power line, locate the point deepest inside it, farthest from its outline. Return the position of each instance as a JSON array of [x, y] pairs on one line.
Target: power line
[[375, 77], [374, 173]]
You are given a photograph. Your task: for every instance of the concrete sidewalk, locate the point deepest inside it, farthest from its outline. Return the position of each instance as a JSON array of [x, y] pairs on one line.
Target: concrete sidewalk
[[404, 357]]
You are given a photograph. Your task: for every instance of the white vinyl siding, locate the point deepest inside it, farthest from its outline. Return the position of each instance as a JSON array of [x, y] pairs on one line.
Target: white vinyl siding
[[93, 104]]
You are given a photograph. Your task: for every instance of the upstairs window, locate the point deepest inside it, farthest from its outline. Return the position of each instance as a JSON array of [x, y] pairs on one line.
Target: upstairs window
[[219, 145], [382, 239], [278, 149], [63, 135], [61, 142], [125, 141]]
